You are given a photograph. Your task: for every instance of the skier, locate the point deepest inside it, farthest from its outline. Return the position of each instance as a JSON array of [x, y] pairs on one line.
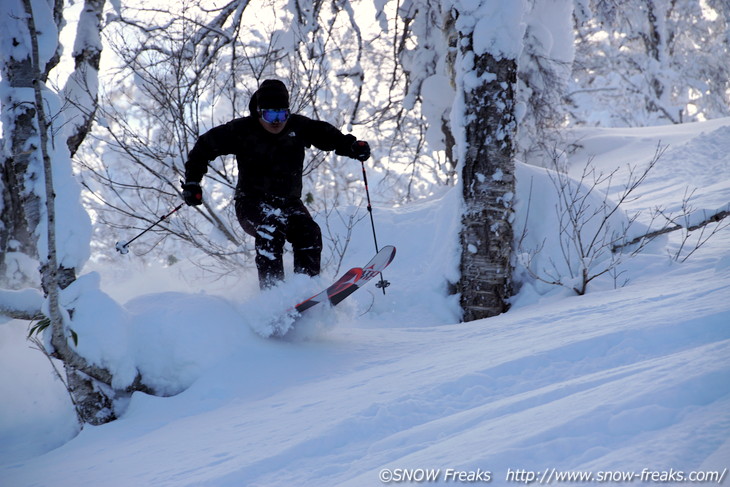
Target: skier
[[269, 148]]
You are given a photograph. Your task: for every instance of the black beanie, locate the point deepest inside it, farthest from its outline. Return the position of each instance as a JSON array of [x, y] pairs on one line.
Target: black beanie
[[272, 94]]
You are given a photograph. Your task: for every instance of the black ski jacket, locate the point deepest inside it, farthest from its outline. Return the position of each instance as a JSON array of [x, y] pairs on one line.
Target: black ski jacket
[[268, 165]]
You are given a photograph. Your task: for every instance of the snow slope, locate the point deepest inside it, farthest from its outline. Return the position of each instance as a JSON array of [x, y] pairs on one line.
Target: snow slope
[[616, 381]]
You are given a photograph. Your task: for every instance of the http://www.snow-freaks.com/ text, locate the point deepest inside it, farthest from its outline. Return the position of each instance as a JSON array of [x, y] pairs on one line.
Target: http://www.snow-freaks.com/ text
[[548, 476]]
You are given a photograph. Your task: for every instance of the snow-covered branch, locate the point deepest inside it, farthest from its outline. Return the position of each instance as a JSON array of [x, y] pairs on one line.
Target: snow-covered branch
[[23, 304]]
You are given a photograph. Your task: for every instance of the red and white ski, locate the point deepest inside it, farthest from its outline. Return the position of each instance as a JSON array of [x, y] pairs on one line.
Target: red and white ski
[[351, 281]]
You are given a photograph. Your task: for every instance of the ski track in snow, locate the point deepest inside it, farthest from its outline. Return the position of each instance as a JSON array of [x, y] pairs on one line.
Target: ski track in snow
[[625, 379]]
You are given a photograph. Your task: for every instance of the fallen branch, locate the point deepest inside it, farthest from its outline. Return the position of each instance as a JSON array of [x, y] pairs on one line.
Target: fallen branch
[[716, 217]]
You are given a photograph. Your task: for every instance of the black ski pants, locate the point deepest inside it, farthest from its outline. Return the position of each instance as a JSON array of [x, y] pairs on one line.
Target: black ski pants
[[274, 221]]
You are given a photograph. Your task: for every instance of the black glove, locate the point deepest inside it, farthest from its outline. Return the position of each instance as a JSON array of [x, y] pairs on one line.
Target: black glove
[[360, 150], [192, 193]]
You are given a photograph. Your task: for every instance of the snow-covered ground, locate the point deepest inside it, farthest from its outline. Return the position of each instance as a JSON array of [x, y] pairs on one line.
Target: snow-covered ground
[[625, 380]]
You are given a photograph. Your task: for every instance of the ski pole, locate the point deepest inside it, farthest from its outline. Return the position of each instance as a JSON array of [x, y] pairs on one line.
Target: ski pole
[[123, 247], [382, 284]]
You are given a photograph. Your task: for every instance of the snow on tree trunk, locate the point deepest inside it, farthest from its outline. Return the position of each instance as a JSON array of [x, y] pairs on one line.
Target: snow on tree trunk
[[489, 43]]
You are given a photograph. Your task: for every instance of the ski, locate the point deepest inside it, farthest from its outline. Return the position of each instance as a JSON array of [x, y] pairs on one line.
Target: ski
[[351, 281]]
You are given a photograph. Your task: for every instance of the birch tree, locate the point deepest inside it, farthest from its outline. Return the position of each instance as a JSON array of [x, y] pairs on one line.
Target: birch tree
[[21, 207], [489, 44]]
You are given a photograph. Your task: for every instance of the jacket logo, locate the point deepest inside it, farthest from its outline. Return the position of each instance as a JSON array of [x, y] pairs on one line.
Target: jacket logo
[[292, 134]]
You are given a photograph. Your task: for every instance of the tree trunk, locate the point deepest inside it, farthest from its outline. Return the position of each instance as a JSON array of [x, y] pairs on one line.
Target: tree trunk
[[488, 186], [88, 384], [20, 211], [81, 90]]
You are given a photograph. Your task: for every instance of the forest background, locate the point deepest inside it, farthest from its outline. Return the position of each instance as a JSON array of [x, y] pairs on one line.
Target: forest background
[[142, 83]]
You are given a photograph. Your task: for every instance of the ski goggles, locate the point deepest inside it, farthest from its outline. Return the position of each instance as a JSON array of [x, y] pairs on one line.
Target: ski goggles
[[274, 115]]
